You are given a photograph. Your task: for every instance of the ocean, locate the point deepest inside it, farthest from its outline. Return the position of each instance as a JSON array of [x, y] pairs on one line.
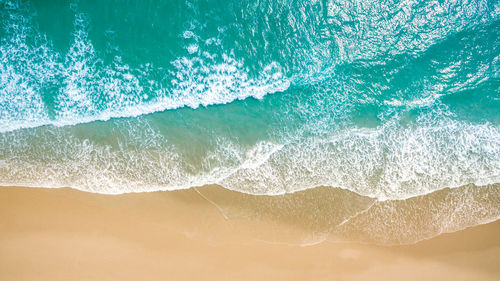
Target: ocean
[[389, 100]]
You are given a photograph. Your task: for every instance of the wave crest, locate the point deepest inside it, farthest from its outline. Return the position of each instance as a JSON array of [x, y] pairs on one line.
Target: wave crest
[[40, 86]]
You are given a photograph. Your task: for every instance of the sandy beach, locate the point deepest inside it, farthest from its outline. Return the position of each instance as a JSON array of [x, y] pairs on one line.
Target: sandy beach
[[65, 234]]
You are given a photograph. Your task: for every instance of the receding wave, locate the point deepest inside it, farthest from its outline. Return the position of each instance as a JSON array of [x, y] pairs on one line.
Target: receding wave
[[333, 214]]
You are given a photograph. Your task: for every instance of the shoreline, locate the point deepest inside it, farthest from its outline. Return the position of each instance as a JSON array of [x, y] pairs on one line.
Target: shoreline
[[65, 234]]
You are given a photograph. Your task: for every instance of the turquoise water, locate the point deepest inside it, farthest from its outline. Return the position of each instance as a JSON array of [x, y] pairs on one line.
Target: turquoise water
[[390, 99]]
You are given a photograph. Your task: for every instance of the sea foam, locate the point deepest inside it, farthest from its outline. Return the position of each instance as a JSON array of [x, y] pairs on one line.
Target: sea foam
[[84, 89], [388, 162]]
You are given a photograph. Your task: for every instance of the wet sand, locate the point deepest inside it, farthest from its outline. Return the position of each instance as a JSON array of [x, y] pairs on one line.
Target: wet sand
[[65, 234]]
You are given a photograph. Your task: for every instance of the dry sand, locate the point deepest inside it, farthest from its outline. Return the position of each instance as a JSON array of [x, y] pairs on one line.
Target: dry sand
[[64, 234]]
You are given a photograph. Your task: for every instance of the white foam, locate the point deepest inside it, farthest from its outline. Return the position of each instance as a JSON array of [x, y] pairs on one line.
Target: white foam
[[388, 162], [92, 91], [24, 70], [193, 48]]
